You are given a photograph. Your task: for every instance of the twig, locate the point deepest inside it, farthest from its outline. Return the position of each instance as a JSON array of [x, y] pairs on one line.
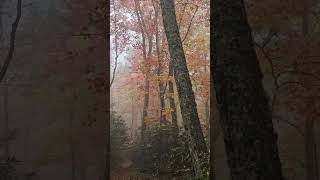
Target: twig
[[116, 46], [190, 23]]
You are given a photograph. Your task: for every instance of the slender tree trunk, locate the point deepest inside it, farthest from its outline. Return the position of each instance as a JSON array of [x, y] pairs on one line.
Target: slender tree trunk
[[115, 44], [146, 90], [197, 145], [163, 144], [106, 173], [310, 142], [245, 116], [145, 35]]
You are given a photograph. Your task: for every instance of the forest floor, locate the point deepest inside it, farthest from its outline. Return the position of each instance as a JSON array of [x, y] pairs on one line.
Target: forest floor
[[128, 170]]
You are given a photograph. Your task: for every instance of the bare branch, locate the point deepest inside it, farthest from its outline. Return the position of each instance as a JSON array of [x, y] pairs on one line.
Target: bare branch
[[299, 72], [291, 124], [9, 57], [190, 23], [116, 46]]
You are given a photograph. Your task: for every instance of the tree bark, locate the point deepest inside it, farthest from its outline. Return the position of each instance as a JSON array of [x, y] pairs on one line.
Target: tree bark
[[144, 35], [163, 137], [310, 142], [197, 145], [245, 116]]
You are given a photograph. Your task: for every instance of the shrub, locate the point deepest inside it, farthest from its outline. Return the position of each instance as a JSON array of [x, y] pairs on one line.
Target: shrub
[[118, 136]]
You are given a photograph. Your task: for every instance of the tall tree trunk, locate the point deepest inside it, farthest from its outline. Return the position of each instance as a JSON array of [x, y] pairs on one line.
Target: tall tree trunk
[[146, 89], [106, 174], [245, 116], [159, 58], [197, 145], [310, 142], [163, 144], [144, 35]]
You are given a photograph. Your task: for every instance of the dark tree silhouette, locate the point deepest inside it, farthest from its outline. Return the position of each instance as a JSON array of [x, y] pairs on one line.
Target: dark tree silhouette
[[245, 116]]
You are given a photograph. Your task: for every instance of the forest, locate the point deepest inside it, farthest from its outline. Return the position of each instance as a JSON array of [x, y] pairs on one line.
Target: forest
[[159, 107], [159, 90]]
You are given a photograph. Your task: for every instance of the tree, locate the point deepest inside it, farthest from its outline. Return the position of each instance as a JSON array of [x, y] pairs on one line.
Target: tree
[[146, 57], [159, 70], [245, 116], [197, 145]]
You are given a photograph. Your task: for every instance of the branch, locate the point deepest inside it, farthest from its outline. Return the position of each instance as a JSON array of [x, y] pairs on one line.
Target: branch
[[269, 37], [136, 3], [297, 128], [190, 23], [266, 55], [114, 70], [116, 45], [9, 57], [299, 72]]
